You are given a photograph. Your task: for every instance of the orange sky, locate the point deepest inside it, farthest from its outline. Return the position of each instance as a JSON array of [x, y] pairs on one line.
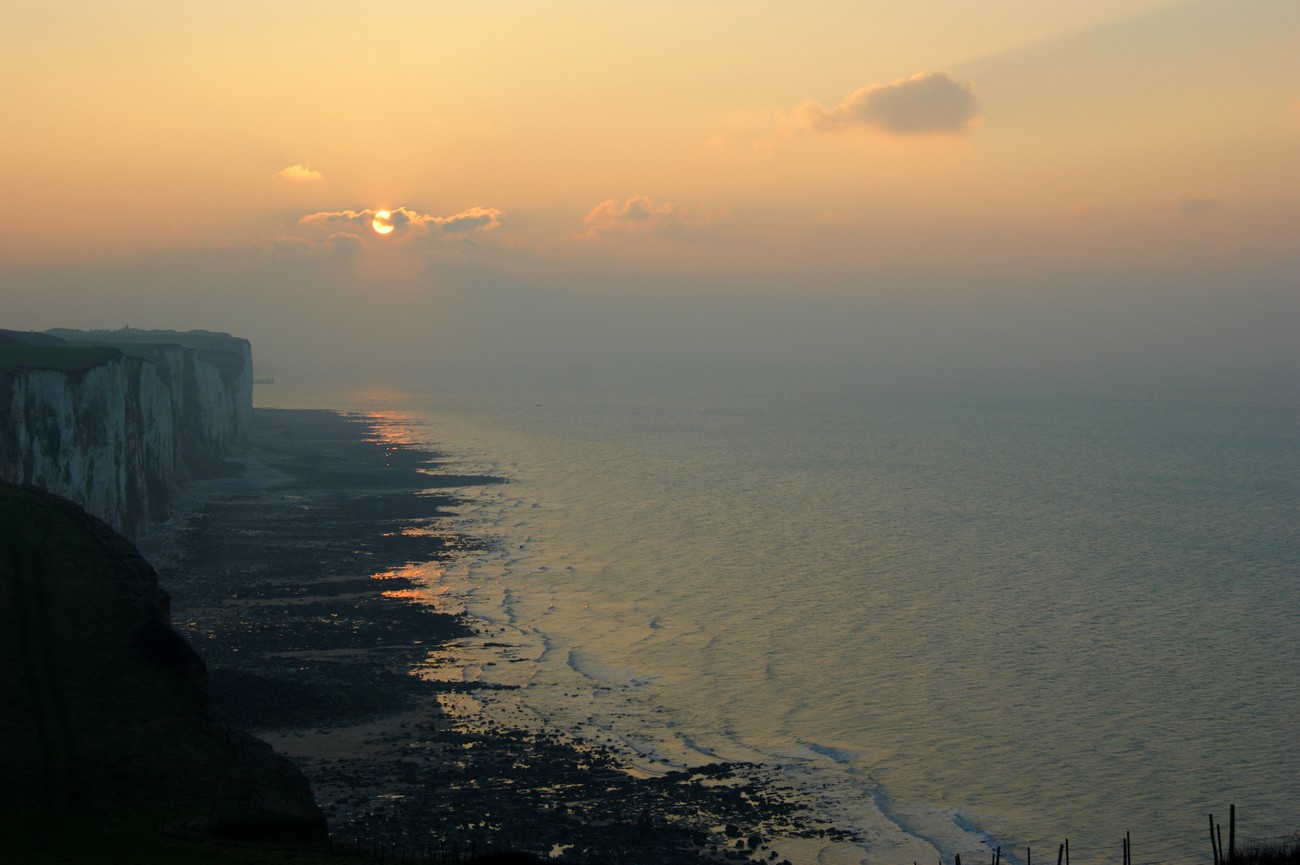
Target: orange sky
[[830, 148]]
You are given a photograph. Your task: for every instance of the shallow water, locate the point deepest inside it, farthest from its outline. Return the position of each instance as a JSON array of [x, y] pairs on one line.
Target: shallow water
[[956, 621]]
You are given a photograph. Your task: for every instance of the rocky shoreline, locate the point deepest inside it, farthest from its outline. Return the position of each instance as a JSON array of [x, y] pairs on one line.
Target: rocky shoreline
[[293, 581]]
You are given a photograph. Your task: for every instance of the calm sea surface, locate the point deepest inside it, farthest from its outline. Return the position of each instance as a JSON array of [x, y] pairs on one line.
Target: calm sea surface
[[953, 621]]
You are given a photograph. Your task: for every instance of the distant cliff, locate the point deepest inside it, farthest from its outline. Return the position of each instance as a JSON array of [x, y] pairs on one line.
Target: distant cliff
[[114, 419]]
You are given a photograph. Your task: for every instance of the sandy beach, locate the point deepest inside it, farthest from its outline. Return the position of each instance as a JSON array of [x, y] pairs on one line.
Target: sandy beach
[[297, 578]]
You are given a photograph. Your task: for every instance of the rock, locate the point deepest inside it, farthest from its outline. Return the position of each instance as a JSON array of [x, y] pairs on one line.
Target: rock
[[106, 707], [115, 419]]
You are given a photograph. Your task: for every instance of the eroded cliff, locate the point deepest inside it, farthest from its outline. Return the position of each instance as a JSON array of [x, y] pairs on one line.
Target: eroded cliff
[[114, 419]]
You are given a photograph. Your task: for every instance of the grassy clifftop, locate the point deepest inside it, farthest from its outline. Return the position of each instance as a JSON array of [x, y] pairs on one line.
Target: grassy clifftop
[[64, 358]]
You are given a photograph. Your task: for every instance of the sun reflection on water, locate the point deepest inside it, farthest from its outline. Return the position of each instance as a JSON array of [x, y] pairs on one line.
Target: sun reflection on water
[[425, 586]]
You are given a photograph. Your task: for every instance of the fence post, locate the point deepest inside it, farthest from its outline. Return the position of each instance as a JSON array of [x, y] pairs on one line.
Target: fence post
[[1232, 835]]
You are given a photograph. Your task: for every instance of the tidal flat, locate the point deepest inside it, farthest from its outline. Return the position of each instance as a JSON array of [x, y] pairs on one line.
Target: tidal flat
[[295, 578]]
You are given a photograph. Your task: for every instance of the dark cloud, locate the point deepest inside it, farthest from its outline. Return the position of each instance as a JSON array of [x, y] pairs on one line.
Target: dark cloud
[[344, 245], [927, 104], [640, 213]]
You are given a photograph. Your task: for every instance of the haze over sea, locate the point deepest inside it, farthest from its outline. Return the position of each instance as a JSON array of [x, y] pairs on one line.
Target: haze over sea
[[952, 619]]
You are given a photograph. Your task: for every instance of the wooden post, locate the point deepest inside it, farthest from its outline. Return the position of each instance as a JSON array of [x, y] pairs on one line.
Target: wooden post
[[1232, 835], [1029, 859], [1060, 854], [1067, 851], [1214, 848]]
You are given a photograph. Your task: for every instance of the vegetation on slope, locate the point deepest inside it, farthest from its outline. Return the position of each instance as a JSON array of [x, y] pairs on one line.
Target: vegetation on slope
[[64, 358]]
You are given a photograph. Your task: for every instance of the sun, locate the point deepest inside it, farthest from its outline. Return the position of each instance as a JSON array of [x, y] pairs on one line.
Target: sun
[[383, 222]]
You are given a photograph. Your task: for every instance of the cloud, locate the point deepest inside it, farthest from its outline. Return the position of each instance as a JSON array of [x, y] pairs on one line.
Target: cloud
[[329, 218], [299, 174], [473, 219], [343, 244], [1196, 205], [639, 213], [926, 104], [468, 220]]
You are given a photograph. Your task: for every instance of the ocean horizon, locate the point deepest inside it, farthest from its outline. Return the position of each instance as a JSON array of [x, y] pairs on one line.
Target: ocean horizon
[[949, 621]]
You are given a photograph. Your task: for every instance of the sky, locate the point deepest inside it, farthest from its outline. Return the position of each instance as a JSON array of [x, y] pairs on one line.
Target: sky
[[909, 192]]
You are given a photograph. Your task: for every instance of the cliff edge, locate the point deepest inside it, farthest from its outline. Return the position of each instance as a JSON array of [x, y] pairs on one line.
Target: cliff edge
[[106, 707], [114, 420]]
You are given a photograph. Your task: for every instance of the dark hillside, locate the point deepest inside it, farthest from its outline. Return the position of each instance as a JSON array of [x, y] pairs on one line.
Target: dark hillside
[[106, 707]]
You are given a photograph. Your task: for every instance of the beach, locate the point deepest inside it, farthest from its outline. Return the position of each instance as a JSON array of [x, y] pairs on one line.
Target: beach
[[308, 579], [948, 623]]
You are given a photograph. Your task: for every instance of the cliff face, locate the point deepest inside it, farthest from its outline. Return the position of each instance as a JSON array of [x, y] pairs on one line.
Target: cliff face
[[105, 705], [211, 388], [210, 374], [101, 437], [112, 421], [217, 400]]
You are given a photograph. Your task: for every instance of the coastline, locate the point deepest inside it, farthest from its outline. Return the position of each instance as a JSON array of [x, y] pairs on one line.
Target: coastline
[[309, 583]]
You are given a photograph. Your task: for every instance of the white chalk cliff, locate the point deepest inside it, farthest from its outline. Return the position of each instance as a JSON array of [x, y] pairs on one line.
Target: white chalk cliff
[[115, 428]]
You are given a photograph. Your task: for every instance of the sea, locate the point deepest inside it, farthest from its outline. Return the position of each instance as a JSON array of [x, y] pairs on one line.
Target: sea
[[953, 621]]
